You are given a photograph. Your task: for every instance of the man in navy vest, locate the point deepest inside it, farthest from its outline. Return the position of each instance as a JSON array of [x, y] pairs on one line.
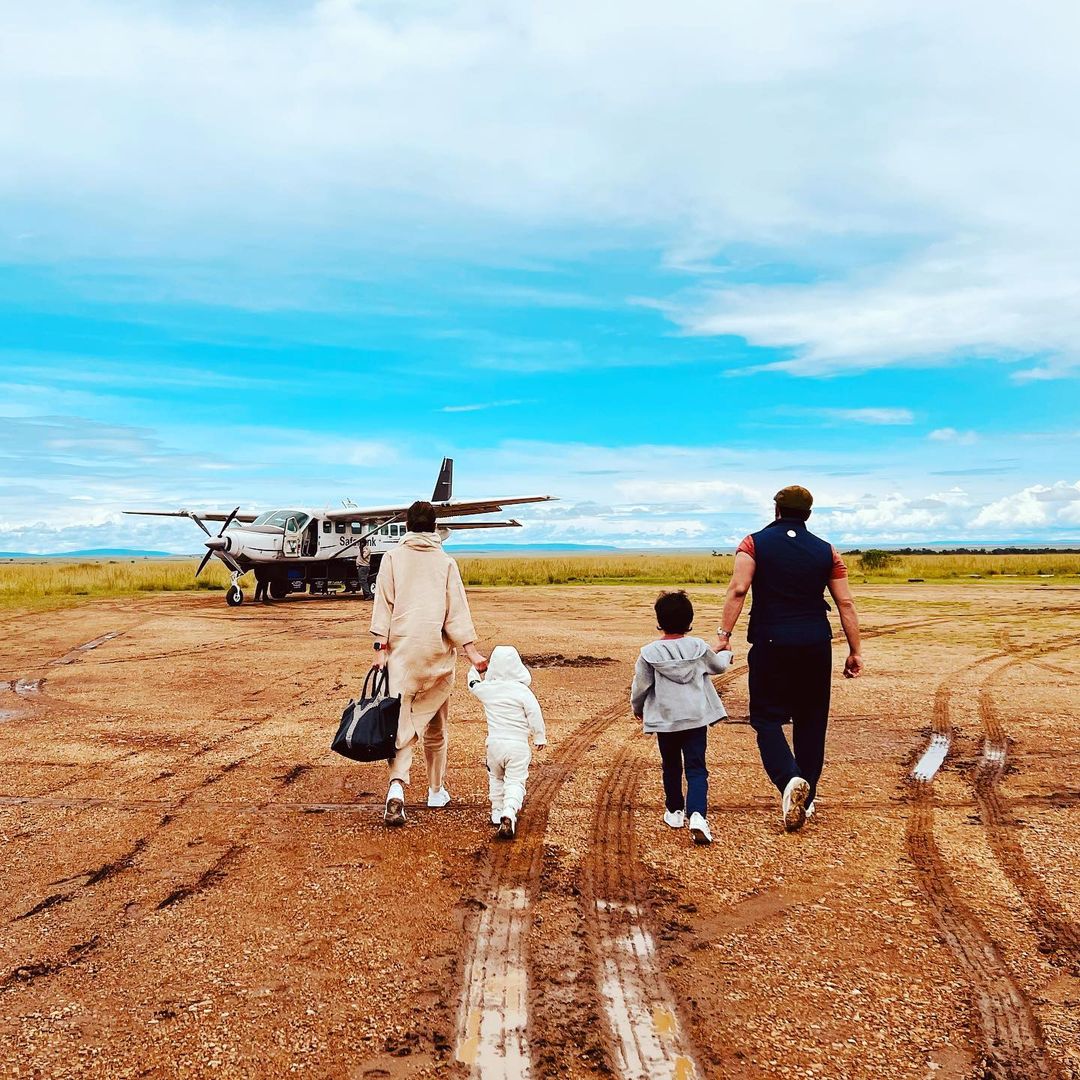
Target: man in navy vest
[[790, 660]]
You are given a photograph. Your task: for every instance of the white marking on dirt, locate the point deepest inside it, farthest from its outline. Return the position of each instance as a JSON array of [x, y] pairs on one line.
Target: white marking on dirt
[[494, 1014], [76, 653], [648, 1044], [932, 758], [993, 754], [28, 687]]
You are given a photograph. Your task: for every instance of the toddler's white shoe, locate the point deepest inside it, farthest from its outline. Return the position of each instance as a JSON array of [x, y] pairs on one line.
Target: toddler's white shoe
[[438, 798], [394, 814], [699, 830], [674, 819], [794, 805], [496, 817], [507, 825]]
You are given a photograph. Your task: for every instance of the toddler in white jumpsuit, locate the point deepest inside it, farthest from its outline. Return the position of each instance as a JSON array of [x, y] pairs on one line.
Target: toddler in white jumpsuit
[[512, 712]]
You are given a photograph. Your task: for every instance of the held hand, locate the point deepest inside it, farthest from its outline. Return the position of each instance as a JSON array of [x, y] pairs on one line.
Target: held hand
[[380, 658], [853, 666]]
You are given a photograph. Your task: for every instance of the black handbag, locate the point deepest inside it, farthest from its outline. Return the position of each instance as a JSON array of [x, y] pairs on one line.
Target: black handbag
[[368, 730]]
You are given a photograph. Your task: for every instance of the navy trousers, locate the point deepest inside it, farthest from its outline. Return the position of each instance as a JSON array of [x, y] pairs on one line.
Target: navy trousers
[[791, 684], [684, 751]]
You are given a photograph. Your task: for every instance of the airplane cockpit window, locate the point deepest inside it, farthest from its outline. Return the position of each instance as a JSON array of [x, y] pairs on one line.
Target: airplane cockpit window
[[282, 518]]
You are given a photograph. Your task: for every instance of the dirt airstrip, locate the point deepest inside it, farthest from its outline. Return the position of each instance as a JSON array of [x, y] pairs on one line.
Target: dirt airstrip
[[193, 885]]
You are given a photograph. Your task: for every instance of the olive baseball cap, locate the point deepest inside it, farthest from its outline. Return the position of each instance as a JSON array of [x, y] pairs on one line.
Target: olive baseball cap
[[794, 498]]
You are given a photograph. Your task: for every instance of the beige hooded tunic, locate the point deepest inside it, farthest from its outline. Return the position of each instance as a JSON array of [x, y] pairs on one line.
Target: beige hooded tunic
[[421, 608]]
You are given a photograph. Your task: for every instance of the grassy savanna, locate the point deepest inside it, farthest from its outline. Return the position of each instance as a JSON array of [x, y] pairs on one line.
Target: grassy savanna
[[28, 583]]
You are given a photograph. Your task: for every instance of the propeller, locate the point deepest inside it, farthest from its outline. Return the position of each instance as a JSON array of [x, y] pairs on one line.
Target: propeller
[[210, 550]]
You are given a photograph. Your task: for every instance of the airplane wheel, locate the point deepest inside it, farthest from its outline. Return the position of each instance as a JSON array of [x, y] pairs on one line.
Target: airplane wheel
[[235, 596]]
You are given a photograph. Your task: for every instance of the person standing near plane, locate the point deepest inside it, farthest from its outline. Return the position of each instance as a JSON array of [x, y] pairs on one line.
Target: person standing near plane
[[790, 658], [420, 618]]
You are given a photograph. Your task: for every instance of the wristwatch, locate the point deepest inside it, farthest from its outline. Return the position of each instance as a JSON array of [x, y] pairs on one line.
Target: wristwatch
[[380, 647], [721, 632]]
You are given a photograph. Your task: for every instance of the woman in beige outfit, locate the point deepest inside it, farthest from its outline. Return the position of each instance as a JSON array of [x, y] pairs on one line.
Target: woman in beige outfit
[[420, 618]]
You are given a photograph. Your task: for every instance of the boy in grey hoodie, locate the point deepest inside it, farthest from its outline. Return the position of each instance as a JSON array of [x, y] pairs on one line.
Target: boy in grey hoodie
[[673, 695]]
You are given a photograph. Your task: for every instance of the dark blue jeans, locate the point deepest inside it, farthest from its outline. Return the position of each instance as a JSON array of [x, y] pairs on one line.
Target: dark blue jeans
[[790, 684], [684, 751]]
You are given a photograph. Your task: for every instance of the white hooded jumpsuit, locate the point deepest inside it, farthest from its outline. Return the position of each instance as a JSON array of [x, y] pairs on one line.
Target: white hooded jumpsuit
[[512, 712]]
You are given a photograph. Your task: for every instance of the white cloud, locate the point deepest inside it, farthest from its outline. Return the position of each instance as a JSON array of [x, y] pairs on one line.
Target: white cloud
[[480, 407], [1033, 508], [951, 435], [877, 417]]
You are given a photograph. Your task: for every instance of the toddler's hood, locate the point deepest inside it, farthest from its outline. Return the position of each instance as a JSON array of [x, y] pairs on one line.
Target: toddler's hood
[[676, 659], [505, 663]]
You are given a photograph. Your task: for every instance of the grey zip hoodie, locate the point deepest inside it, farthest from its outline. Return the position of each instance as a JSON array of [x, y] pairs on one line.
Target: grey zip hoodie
[[672, 688]]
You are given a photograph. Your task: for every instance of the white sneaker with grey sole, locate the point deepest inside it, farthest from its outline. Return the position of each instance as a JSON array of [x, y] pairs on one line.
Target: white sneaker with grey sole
[[699, 830], [438, 798], [674, 819], [795, 795]]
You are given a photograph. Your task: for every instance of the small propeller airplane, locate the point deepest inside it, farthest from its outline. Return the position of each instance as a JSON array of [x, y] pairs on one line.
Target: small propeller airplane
[[293, 551]]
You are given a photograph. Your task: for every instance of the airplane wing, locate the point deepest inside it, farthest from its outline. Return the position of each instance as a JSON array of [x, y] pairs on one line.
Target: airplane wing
[[453, 508], [247, 519]]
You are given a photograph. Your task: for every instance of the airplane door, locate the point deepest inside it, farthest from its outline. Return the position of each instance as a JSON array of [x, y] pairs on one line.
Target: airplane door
[[290, 544]]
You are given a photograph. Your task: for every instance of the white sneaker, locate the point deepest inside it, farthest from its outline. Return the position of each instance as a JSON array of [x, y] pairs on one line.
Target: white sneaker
[[794, 805], [507, 825], [496, 817], [699, 830], [394, 814], [810, 811], [676, 819], [438, 798]]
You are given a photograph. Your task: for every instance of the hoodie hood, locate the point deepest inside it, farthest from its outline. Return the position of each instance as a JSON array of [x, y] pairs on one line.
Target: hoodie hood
[[676, 659], [505, 664], [422, 540]]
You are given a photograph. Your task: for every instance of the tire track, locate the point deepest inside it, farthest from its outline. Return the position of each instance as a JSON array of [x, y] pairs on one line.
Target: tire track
[[493, 1024], [1058, 933], [1013, 1045], [648, 1042]]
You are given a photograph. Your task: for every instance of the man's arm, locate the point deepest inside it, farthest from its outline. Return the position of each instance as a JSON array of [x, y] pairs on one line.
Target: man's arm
[[737, 589], [849, 620]]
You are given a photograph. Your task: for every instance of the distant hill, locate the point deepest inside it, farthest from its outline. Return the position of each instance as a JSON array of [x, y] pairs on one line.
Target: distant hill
[[91, 553]]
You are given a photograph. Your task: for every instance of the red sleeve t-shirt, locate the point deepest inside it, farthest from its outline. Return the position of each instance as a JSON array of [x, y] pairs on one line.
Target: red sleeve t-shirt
[[839, 567]]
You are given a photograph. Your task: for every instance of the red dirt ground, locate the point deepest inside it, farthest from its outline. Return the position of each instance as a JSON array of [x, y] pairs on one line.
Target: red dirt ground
[[195, 886]]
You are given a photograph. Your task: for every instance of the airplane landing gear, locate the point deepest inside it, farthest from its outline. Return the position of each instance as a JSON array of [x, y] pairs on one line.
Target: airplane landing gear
[[235, 595]]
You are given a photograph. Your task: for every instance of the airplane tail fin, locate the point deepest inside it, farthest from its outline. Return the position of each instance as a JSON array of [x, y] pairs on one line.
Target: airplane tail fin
[[444, 486]]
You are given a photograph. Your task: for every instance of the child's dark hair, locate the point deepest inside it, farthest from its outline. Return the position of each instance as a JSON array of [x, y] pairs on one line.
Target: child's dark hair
[[674, 612]]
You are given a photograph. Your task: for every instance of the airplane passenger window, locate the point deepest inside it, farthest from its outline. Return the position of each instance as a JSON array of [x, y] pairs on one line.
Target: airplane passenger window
[[327, 526], [340, 526], [357, 527]]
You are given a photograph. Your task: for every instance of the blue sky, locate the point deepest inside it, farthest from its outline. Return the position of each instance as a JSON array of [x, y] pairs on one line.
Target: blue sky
[[658, 263]]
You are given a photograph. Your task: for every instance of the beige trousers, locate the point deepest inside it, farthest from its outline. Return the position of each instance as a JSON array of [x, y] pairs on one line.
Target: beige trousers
[[435, 733]]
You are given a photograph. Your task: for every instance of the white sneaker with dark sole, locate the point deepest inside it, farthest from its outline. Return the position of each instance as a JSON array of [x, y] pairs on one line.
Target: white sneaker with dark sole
[[674, 819], [699, 830], [507, 827], [809, 811], [795, 795], [496, 818], [394, 814], [438, 798]]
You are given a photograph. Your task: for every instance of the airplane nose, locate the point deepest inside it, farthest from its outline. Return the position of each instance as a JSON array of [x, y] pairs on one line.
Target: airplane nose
[[218, 543]]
